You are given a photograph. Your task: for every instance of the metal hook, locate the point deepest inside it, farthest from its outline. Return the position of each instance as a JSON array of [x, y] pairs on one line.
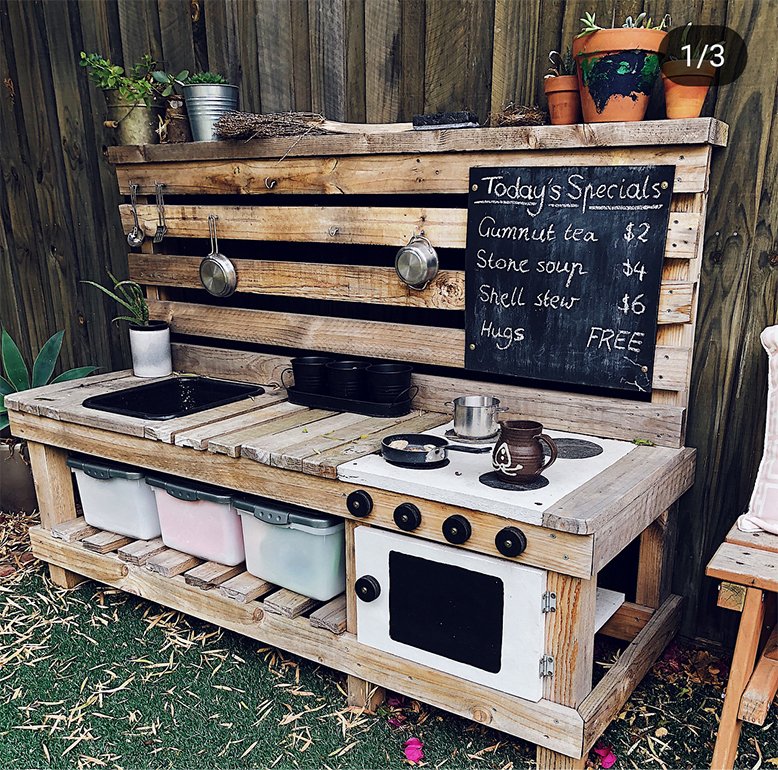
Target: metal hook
[[212, 232], [161, 226]]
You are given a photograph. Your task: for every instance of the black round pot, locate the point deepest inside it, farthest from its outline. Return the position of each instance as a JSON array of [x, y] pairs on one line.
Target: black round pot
[[346, 379], [386, 382], [309, 373]]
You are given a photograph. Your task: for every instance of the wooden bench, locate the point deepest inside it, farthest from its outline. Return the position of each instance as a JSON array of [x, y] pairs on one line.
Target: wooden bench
[[313, 224], [747, 565]]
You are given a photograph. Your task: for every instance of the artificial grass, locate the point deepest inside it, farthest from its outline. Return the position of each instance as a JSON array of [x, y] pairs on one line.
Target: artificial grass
[[96, 678]]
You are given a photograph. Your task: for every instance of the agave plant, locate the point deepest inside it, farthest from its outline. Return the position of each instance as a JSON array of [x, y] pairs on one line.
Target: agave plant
[[128, 295], [16, 375], [641, 21]]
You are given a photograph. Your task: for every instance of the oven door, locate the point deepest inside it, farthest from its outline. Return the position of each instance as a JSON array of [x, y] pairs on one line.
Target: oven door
[[473, 616]]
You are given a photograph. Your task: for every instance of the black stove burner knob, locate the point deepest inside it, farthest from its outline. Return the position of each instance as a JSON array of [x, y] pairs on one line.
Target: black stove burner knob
[[457, 529], [511, 541], [407, 517], [359, 503], [367, 588]]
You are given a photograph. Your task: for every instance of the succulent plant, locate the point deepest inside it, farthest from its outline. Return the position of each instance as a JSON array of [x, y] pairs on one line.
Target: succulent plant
[[212, 78]]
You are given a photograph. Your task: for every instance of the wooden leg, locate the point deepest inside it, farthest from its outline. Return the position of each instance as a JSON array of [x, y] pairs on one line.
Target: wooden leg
[[763, 685], [655, 565], [742, 666], [360, 692], [570, 640], [56, 499]]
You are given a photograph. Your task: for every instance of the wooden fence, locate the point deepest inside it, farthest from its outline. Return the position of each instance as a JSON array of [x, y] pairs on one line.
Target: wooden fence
[[379, 61]]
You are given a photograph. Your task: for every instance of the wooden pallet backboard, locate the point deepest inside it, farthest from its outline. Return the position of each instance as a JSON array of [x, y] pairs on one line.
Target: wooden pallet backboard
[[416, 182]]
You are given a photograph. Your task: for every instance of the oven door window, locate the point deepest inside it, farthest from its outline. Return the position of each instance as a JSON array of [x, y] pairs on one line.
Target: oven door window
[[446, 610]]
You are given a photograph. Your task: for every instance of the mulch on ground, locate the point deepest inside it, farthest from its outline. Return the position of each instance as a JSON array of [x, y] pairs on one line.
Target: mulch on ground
[[94, 677]]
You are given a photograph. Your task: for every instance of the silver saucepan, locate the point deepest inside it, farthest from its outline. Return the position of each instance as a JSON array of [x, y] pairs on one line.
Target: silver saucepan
[[475, 417]]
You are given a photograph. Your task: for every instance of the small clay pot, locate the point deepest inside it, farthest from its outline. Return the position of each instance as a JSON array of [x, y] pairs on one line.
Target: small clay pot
[[686, 88], [518, 454], [564, 101], [617, 70]]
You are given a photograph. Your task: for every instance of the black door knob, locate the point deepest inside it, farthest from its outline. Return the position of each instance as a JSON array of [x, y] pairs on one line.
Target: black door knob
[[457, 529], [511, 541], [407, 517], [359, 503], [367, 588]]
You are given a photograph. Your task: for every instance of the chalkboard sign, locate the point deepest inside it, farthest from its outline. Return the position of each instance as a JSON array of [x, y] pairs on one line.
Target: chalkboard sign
[[563, 272]]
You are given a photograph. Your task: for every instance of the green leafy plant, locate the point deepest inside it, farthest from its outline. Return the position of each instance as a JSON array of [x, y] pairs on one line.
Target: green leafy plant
[[561, 64], [128, 295], [136, 86], [16, 375], [641, 21], [169, 82], [213, 78]]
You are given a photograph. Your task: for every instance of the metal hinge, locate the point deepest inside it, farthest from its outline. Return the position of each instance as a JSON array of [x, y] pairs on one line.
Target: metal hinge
[[549, 602], [546, 666]]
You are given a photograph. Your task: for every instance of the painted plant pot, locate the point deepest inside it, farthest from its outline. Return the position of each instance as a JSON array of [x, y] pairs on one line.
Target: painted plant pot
[[617, 70], [686, 88]]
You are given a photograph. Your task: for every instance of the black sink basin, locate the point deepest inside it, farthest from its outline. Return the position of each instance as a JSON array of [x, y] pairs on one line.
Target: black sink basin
[[172, 398]]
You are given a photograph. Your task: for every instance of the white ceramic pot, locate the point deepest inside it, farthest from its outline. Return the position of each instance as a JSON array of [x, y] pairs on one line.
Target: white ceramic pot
[[150, 346]]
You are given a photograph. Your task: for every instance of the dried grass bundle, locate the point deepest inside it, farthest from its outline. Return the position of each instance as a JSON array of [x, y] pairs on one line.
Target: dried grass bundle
[[248, 125], [518, 115]]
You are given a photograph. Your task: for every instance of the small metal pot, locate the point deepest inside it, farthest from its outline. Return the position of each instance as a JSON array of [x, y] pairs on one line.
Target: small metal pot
[[205, 104], [475, 417], [346, 379], [135, 123], [416, 263]]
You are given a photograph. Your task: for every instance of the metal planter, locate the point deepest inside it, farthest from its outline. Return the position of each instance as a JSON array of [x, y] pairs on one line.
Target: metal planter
[[205, 104]]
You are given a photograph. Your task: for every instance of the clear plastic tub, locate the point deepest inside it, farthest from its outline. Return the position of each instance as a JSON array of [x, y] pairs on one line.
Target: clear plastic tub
[[199, 520], [293, 547], [115, 497]]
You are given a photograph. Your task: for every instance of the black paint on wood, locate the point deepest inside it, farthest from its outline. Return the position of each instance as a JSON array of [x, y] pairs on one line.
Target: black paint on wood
[[563, 269]]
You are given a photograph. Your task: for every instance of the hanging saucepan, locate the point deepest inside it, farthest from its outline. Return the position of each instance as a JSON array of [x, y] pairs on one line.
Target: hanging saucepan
[[421, 449], [217, 273]]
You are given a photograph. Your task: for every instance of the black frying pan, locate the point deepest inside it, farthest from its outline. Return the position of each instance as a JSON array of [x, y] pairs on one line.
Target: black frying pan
[[422, 449]]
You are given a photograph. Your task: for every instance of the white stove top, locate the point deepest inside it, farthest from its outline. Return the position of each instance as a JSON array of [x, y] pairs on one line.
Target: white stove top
[[458, 484]]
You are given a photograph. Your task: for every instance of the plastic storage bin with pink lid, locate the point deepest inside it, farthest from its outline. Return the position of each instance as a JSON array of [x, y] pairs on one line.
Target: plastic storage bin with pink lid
[[294, 547], [198, 519], [115, 497]]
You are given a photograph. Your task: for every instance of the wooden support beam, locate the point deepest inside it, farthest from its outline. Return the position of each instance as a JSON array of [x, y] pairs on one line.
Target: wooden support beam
[[655, 561], [762, 686], [627, 622]]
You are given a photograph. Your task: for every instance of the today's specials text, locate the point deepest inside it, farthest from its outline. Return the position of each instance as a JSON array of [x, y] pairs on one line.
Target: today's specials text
[[563, 272]]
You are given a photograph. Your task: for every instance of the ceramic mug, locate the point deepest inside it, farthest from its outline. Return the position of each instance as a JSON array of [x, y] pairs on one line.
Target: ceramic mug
[[518, 454]]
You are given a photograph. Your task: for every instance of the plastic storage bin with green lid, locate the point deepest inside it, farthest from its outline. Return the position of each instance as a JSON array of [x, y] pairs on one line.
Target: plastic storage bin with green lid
[[115, 497], [294, 547], [198, 519]]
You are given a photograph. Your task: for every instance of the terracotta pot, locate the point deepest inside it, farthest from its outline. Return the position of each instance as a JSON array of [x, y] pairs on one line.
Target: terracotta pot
[[686, 88], [518, 454], [564, 101], [17, 491], [617, 70]]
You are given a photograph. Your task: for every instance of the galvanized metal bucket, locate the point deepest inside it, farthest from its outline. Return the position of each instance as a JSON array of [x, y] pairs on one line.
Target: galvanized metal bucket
[[205, 104], [135, 123]]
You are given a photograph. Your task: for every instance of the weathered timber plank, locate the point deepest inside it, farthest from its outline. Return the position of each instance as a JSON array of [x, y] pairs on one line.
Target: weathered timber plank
[[374, 339], [169, 562], [309, 224], [353, 283], [395, 174], [73, 530], [139, 551], [245, 587], [611, 692], [558, 550], [559, 727], [627, 621], [103, 541], [210, 574], [288, 603], [761, 688], [762, 541], [606, 417], [746, 566], [331, 616], [641, 482], [532, 138]]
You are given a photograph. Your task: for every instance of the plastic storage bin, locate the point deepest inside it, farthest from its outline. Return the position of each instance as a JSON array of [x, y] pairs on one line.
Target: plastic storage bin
[[199, 520], [293, 547], [115, 497]]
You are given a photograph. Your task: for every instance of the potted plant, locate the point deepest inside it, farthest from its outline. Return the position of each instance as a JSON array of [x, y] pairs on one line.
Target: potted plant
[[687, 78], [208, 96], [149, 340], [132, 97], [175, 127], [561, 88], [17, 492], [618, 67]]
